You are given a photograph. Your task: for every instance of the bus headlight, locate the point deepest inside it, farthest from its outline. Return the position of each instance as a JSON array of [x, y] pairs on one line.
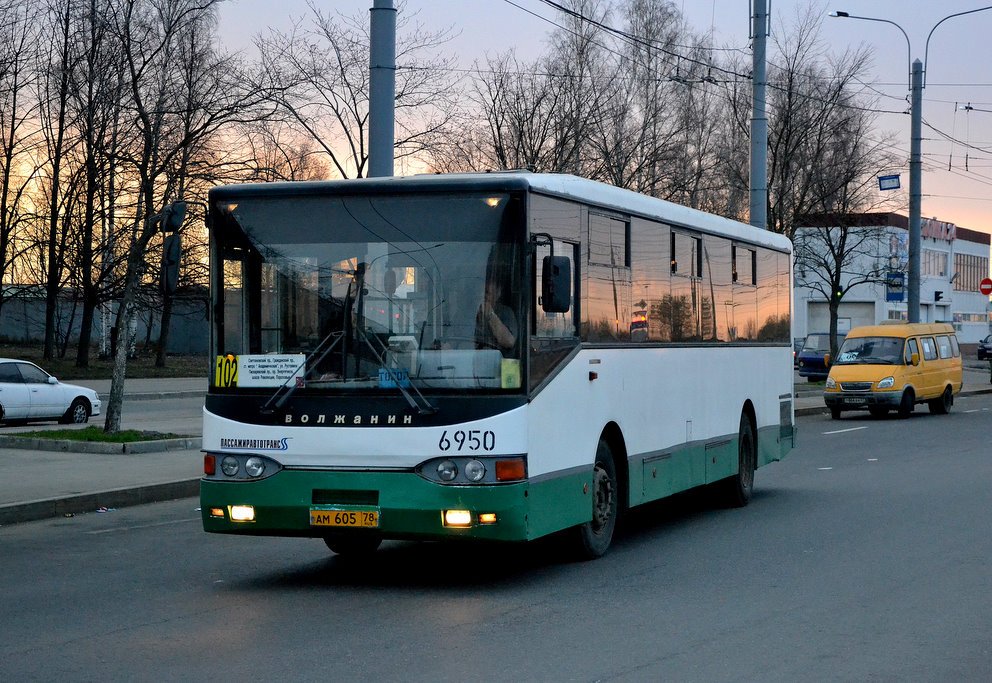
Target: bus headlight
[[229, 465], [886, 383], [254, 466], [831, 383], [474, 470], [447, 470]]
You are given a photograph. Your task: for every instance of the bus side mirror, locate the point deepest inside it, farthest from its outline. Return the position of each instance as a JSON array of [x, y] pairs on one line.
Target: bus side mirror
[[556, 284], [914, 360]]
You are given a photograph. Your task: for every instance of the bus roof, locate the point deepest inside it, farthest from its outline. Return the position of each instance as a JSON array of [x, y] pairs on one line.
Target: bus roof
[[553, 184]]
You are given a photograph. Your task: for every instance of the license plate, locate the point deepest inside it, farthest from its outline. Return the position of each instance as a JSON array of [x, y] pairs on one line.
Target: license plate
[[855, 399], [349, 518]]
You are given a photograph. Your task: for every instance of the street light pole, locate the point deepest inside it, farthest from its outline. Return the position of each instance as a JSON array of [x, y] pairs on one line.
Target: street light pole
[[917, 81]]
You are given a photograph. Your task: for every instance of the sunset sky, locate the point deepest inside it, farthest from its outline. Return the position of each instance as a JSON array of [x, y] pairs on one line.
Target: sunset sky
[[959, 67]]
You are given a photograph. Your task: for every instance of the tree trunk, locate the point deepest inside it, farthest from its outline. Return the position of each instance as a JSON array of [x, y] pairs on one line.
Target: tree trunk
[[163, 336]]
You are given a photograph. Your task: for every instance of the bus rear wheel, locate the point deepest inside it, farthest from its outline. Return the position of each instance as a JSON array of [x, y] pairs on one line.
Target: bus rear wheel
[[593, 538], [736, 490], [353, 545]]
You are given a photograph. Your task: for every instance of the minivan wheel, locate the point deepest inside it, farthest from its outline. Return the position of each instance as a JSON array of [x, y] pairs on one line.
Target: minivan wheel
[[835, 413], [907, 403], [942, 405]]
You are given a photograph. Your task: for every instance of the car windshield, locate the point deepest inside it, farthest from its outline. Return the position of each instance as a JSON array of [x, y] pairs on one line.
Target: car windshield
[[817, 343], [871, 351]]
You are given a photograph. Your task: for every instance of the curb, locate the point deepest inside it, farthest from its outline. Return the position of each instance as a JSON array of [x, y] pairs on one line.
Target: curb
[[15, 513], [156, 395], [134, 448]]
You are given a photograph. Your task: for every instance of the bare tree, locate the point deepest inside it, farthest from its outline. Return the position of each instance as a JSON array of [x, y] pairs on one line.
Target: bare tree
[[166, 126], [18, 115], [318, 74], [836, 253], [823, 156]]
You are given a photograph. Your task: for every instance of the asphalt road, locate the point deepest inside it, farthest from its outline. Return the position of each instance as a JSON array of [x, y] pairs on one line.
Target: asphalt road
[[863, 556]]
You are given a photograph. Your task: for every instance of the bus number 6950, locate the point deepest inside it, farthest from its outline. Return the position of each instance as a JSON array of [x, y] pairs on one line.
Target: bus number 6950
[[471, 440]]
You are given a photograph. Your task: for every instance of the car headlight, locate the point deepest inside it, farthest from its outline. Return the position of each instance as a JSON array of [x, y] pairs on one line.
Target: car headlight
[[831, 383], [886, 383]]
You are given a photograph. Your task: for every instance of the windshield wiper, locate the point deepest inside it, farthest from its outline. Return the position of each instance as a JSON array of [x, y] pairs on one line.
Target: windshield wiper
[[423, 406], [338, 335]]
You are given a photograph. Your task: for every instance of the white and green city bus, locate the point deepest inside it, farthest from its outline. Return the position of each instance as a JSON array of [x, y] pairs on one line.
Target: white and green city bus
[[491, 356]]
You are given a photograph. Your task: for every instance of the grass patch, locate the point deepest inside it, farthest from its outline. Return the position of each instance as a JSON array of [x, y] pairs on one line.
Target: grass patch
[[141, 366], [96, 434]]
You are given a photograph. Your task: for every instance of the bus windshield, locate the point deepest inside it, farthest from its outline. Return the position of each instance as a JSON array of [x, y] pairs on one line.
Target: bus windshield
[[871, 351], [373, 293]]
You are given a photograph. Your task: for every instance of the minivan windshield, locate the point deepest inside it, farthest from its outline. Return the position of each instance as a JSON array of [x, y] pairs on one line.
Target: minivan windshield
[[871, 351]]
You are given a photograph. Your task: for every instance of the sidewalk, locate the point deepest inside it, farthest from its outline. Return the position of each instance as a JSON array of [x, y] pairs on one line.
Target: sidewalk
[[44, 484]]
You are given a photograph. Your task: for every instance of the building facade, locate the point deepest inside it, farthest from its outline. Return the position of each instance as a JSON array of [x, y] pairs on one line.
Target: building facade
[[953, 262]]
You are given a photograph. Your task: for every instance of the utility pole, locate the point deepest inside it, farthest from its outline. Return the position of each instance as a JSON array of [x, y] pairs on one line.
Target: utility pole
[[915, 188], [759, 117], [382, 87]]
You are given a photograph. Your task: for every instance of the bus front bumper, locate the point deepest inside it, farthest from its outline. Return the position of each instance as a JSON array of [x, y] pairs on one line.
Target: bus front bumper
[[406, 506]]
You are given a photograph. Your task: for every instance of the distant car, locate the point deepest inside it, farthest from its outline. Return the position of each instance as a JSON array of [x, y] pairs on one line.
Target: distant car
[[797, 345], [810, 359], [29, 393], [985, 348]]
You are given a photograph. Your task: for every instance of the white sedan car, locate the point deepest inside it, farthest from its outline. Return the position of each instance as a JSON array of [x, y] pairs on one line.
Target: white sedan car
[[29, 393]]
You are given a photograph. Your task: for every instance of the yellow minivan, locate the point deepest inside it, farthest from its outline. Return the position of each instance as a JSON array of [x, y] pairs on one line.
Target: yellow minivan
[[894, 366]]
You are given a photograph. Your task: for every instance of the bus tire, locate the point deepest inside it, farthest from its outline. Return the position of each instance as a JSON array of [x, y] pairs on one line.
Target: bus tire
[[907, 403], [942, 405], [353, 545], [593, 538], [736, 490], [834, 413]]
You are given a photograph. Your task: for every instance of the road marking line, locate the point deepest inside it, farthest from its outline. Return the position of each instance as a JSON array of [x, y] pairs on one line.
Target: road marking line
[[144, 526], [976, 410], [872, 459], [823, 469], [841, 431]]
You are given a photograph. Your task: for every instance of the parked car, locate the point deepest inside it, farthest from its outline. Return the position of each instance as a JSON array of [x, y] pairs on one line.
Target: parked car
[[985, 348], [797, 345], [810, 359], [29, 393]]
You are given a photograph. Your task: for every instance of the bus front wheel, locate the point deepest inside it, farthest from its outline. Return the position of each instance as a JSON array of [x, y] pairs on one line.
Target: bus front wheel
[[593, 538]]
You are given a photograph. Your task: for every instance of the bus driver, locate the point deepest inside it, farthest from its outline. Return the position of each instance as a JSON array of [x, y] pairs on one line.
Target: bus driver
[[495, 324]]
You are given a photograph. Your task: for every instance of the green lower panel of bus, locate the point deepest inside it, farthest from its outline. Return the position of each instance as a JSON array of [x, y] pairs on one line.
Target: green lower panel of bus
[[404, 506]]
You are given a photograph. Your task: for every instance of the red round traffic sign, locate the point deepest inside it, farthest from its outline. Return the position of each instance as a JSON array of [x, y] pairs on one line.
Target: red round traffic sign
[[986, 286]]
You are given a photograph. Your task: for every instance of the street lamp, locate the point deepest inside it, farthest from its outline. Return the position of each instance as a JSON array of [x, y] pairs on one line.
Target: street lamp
[[917, 81]]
